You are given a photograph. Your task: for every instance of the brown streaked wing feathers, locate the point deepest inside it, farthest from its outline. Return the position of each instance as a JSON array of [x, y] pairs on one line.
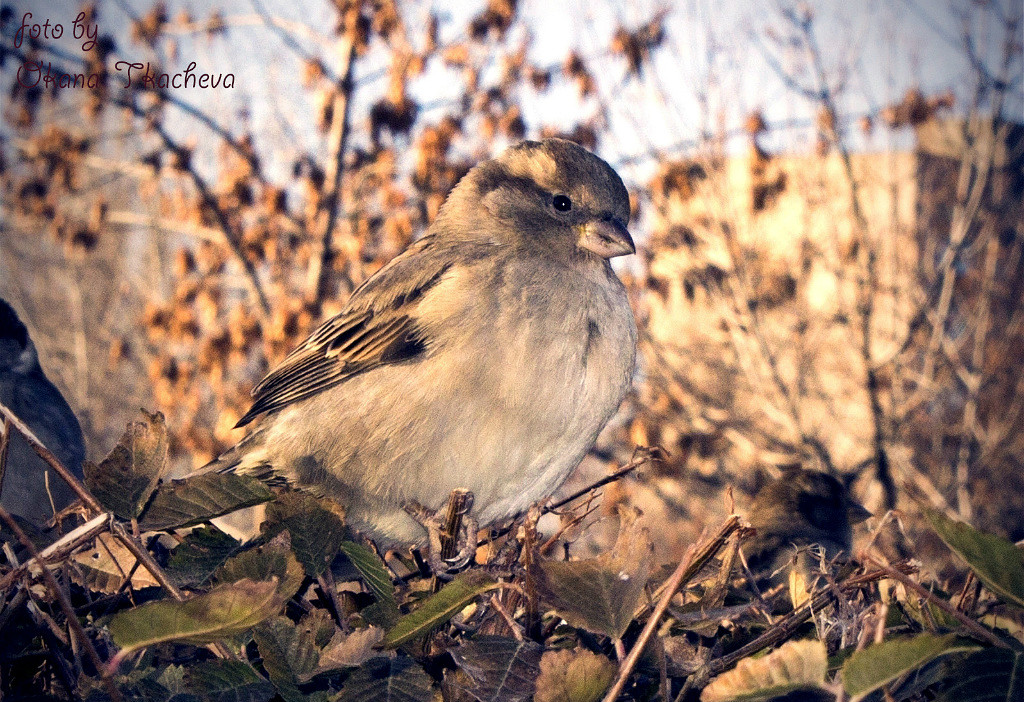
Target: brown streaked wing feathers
[[375, 329]]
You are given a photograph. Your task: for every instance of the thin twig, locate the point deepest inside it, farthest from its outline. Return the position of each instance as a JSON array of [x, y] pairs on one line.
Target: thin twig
[[782, 629], [642, 455], [319, 268], [702, 554], [51, 460], [509, 620], [974, 628], [58, 549], [688, 566], [230, 235], [5, 442], [69, 611], [130, 543], [868, 279]]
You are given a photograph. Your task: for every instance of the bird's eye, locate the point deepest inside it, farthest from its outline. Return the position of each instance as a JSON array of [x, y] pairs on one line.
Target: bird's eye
[[562, 203]]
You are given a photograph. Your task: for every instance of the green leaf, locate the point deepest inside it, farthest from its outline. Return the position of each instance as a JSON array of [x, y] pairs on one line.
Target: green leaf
[[317, 532], [871, 668], [991, 675], [1008, 619], [927, 614], [201, 553], [224, 611], [273, 558], [501, 668], [124, 481], [388, 680], [228, 681], [998, 563], [440, 607], [182, 503], [600, 594], [796, 665], [376, 577], [288, 655]]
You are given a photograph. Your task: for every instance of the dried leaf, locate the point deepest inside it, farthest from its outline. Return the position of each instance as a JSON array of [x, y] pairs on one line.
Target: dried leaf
[[501, 668], [288, 654], [124, 481], [321, 624], [686, 654], [1008, 619], [350, 650], [796, 665], [601, 594], [104, 567], [573, 676]]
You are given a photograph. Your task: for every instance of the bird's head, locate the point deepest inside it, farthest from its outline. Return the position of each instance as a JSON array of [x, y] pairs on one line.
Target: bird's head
[[810, 498], [17, 352], [552, 194]]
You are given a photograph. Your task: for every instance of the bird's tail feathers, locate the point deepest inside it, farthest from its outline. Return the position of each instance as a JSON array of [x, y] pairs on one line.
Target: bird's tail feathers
[[244, 458]]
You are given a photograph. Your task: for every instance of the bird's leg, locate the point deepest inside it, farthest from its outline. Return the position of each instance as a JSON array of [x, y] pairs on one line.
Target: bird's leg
[[449, 551], [429, 520]]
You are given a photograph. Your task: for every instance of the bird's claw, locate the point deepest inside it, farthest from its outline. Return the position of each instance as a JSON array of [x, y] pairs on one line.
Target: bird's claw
[[451, 533]]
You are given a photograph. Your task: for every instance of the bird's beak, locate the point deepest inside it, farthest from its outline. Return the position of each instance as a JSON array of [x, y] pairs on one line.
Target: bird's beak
[[856, 513], [607, 238]]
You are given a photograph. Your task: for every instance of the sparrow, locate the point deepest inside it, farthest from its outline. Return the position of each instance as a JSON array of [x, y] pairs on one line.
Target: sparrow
[[800, 517], [30, 488], [487, 356]]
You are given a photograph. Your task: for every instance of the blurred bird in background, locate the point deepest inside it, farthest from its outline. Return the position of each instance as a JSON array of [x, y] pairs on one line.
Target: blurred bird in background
[[30, 488], [801, 517], [488, 356]]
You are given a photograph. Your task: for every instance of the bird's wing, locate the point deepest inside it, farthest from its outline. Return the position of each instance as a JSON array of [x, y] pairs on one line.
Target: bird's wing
[[377, 327]]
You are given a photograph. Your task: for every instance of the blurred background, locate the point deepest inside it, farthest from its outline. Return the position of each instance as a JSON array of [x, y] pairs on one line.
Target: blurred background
[[827, 201]]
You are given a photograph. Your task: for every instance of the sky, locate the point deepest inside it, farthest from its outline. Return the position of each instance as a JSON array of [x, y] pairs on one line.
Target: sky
[[721, 60]]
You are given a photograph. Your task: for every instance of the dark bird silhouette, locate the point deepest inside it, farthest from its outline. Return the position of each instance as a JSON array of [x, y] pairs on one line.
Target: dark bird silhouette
[[30, 488], [797, 515]]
